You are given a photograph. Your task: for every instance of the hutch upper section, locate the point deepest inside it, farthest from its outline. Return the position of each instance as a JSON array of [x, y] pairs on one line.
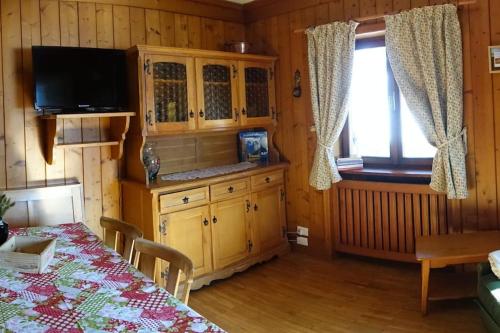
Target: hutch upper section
[[186, 90]]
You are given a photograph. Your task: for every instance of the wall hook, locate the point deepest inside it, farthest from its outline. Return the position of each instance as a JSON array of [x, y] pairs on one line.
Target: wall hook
[[297, 90]]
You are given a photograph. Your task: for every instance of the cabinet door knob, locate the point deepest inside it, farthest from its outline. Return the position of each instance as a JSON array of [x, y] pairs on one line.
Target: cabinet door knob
[[255, 207], [202, 114], [268, 180], [214, 220], [243, 111], [230, 189], [163, 228], [248, 205], [185, 200], [205, 221], [191, 114], [149, 118]]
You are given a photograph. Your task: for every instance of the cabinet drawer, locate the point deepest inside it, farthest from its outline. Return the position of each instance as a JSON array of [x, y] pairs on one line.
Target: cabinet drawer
[[229, 189], [183, 200], [267, 179]]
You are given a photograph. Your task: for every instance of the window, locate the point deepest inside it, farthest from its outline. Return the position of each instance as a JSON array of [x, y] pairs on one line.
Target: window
[[380, 127]]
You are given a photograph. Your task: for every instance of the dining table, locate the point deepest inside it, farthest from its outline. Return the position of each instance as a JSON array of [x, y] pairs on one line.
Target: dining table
[[88, 287]]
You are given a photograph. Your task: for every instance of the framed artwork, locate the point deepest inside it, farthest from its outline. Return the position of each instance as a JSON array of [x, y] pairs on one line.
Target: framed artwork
[[494, 55]]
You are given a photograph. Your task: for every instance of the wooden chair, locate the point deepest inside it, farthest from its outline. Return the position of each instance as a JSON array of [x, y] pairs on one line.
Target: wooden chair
[[177, 262], [128, 231]]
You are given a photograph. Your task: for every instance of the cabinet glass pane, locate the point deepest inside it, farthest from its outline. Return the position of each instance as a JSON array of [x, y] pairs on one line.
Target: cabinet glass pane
[[217, 92], [170, 92], [257, 92]]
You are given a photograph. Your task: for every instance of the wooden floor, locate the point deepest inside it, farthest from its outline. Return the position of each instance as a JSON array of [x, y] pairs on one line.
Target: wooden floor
[[297, 293]]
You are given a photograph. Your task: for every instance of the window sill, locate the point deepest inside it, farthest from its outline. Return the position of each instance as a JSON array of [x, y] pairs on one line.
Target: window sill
[[391, 175]]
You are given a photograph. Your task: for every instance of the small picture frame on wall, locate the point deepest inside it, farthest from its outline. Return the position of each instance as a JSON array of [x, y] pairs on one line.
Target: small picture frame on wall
[[494, 55]]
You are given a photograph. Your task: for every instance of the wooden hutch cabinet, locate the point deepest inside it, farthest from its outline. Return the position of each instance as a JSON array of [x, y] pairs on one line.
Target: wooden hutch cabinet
[[191, 104]]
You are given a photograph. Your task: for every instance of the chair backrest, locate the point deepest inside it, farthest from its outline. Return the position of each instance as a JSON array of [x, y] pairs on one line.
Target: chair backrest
[[178, 262], [46, 206], [128, 232]]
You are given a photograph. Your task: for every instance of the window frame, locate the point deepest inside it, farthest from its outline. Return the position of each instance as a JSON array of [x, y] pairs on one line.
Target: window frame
[[396, 159]]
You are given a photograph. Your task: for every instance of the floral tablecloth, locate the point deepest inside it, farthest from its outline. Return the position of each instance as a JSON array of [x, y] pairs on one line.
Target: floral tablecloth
[[89, 288]]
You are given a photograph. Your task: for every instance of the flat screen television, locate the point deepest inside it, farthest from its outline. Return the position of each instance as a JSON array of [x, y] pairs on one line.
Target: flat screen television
[[72, 79]]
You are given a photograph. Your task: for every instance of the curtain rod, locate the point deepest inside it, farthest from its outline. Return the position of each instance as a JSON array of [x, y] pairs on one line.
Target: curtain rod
[[381, 16]]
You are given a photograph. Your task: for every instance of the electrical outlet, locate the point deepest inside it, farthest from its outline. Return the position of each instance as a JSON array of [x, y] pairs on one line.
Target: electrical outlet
[[301, 231], [302, 241]]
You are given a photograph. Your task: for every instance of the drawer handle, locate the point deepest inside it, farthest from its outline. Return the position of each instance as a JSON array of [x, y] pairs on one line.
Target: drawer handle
[[214, 220], [268, 180], [205, 221], [185, 200], [230, 189]]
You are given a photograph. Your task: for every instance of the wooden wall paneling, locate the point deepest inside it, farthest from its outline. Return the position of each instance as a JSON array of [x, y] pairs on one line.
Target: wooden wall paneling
[[110, 186], [419, 3], [104, 21], [167, 29], [194, 32], [368, 8], [3, 174], [284, 82], [212, 34], [399, 5], [466, 219], [51, 36], [73, 158], [351, 9], [234, 32], [137, 26], [15, 153], [302, 120], [11, 35], [336, 10], [181, 30], [87, 28], [495, 40], [35, 161], [484, 117], [121, 27], [153, 30]]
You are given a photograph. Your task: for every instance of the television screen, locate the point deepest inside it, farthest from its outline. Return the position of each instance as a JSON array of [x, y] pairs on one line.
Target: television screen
[[73, 79]]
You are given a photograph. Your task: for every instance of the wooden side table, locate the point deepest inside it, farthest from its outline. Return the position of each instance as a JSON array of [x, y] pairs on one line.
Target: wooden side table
[[442, 250]]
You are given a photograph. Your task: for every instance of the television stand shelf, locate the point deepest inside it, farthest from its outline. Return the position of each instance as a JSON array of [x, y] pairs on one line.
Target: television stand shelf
[[118, 127]]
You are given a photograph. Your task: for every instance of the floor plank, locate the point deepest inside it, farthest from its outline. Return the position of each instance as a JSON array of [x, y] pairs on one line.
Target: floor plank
[[297, 293]]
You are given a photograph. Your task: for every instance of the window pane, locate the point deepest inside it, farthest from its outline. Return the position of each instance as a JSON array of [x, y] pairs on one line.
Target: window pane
[[369, 116], [415, 145]]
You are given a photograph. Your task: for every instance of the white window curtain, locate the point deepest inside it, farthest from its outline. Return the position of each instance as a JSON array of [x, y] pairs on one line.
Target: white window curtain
[[331, 52], [424, 47]]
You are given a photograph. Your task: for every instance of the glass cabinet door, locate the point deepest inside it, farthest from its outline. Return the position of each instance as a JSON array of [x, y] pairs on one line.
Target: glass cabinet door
[[170, 93], [217, 93], [257, 94]]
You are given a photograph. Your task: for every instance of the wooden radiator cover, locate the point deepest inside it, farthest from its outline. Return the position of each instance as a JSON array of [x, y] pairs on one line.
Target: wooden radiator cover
[[382, 219]]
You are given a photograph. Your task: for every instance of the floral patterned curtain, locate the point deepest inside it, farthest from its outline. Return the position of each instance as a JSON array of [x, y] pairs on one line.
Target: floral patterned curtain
[[424, 47], [331, 52]]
